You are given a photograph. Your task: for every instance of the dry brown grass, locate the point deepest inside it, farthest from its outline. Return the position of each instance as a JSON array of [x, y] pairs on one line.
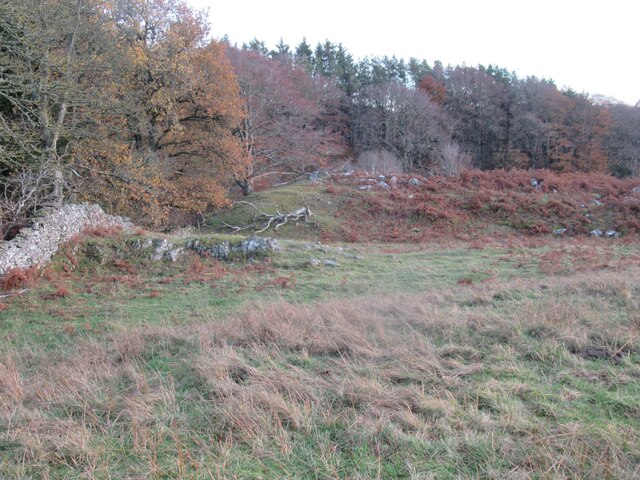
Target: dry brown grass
[[461, 375]]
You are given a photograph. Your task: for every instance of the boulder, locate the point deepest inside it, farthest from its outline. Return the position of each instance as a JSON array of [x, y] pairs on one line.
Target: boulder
[[161, 246], [173, 255], [97, 253], [256, 245]]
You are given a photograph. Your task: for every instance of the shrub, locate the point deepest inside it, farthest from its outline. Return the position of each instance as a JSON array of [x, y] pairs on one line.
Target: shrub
[[17, 278], [379, 162]]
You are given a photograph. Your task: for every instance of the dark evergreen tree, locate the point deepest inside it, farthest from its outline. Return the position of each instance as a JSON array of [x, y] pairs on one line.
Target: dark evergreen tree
[[304, 56], [257, 46], [282, 52], [417, 70]]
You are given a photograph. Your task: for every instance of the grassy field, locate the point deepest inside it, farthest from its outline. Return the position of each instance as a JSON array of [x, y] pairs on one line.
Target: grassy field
[[517, 357]]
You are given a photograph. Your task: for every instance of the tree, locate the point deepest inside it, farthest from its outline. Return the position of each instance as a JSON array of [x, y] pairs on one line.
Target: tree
[[623, 142], [304, 56], [473, 100], [436, 90], [399, 120], [282, 52], [287, 128], [257, 46], [451, 159], [49, 48], [417, 70], [124, 102], [176, 105]]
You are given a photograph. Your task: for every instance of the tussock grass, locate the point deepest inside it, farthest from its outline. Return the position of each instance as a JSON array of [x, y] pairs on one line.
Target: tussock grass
[[519, 379]]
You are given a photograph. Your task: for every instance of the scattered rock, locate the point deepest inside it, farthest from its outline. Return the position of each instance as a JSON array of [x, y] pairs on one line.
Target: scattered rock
[[97, 253], [352, 256], [161, 246], [384, 185], [181, 232], [251, 247], [365, 188], [596, 233], [414, 182], [138, 244], [597, 202], [560, 231], [329, 262], [316, 177], [255, 245], [314, 262], [612, 233], [636, 189], [173, 255], [393, 180], [533, 182], [381, 177]]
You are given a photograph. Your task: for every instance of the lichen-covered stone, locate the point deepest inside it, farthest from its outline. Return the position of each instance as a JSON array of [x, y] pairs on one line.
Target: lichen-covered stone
[[97, 253], [251, 247], [255, 245], [161, 246]]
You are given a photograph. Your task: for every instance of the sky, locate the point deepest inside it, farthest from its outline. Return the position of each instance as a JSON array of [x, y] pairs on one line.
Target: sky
[[586, 45]]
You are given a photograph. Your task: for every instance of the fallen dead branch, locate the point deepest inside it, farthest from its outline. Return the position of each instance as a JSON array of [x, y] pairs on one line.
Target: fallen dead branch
[[15, 293], [262, 221]]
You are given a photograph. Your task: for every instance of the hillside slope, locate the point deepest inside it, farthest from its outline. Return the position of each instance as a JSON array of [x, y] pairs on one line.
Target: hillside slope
[[360, 208], [518, 358]]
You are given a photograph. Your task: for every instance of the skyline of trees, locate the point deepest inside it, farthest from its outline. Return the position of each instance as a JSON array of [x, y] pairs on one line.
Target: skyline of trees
[[499, 119], [131, 104]]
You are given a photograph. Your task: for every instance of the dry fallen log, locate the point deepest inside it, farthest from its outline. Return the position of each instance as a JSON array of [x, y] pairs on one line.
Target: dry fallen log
[[263, 221]]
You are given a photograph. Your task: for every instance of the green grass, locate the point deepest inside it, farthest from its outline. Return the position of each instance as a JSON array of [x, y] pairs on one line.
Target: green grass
[[286, 199], [102, 298], [404, 361]]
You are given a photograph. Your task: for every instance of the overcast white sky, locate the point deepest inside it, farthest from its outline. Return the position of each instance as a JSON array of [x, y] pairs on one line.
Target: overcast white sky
[[586, 45]]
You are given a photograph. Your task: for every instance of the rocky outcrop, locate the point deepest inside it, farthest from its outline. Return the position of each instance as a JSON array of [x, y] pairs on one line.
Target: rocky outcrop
[[162, 249], [35, 245], [248, 248]]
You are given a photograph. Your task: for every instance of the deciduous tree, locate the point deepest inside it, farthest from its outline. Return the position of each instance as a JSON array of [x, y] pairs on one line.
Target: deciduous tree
[[289, 125]]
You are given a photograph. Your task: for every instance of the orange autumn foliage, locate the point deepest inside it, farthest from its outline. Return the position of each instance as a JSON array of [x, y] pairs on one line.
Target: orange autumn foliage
[[166, 141]]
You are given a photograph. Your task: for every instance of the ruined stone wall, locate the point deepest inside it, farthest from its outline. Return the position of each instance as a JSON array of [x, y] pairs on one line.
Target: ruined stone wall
[[35, 245]]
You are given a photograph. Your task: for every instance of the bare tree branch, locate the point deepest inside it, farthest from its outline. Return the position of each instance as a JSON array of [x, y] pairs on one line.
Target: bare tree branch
[[263, 221]]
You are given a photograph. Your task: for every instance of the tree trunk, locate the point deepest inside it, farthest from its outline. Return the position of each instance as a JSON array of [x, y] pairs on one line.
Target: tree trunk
[[245, 186], [58, 188]]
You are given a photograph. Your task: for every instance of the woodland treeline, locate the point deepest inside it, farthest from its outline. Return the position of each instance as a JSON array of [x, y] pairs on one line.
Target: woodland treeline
[[131, 104]]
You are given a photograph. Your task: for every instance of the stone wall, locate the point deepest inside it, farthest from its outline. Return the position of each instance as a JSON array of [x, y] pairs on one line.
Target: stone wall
[[35, 245]]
